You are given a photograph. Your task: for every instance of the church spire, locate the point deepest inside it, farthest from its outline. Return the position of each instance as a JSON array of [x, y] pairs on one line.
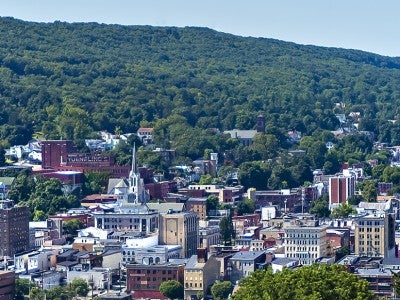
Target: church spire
[[134, 169]]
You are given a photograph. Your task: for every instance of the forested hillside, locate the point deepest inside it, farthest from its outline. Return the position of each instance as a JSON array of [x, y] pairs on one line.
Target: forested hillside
[[70, 80]]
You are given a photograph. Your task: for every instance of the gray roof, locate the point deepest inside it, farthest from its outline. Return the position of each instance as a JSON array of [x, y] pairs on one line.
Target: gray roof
[[165, 207], [112, 183], [242, 134], [283, 261], [247, 255], [193, 263]]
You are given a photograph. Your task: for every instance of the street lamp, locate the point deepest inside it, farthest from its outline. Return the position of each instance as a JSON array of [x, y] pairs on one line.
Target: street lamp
[[285, 205], [91, 283]]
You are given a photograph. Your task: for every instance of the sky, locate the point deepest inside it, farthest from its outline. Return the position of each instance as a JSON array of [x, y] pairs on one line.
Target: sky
[[367, 25]]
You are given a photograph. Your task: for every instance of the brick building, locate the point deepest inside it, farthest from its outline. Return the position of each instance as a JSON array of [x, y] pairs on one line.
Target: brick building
[[140, 277], [7, 284], [340, 188], [14, 228], [55, 152], [197, 205]]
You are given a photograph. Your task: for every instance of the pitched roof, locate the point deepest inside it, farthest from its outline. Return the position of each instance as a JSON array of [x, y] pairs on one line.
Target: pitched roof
[[7, 180]]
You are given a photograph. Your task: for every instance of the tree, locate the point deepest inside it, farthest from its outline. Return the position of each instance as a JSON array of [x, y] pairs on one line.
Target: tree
[[59, 293], [246, 207], [79, 286], [2, 157], [316, 282], [342, 252], [369, 190], [254, 174], [172, 289], [221, 290], [96, 182], [354, 200], [226, 229], [266, 145], [71, 228], [320, 207], [200, 295], [22, 287], [36, 294], [212, 203], [396, 277], [205, 179], [343, 211]]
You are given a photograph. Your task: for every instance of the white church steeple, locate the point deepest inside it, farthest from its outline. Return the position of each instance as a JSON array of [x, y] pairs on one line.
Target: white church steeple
[[137, 194]]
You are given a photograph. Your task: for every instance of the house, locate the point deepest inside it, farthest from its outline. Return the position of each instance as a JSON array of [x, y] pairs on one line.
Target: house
[[278, 264], [145, 135], [245, 137], [243, 263], [200, 273]]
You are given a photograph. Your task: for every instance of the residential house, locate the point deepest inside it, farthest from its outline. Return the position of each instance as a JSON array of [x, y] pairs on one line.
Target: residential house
[[243, 263], [200, 273]]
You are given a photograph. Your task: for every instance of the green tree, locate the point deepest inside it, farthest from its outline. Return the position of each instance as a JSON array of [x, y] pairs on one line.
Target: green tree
[[59, 293], [96, 182], [320, 207], [36, 293], [22, 287], [342, 252], [211, 203], [354, 200], [246, 207], [205, 179], [266, 145], [2, 156], [396, 283], [172, 289], [39, 215], [79, 286], [226, 229], [369, 190], [254, 174], [200, 295], [22, 187], [221, 290], [343, 211], [71, 228], [316, 282]]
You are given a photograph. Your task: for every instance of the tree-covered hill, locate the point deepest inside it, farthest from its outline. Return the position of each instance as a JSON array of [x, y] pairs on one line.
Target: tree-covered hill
[[69, 80]]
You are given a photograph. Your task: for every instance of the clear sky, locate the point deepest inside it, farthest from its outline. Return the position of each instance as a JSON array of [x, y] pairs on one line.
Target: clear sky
[[368, 25]]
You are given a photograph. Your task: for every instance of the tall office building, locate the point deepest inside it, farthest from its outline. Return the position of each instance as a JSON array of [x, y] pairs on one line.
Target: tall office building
[[340, 188], [14, 228], [180, 229], [305, 240], [374, 235]]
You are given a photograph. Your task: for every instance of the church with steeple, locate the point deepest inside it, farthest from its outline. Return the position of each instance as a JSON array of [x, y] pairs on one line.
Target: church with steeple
[[131, 213]]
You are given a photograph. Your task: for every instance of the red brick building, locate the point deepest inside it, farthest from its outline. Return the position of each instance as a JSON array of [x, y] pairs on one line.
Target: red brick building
[[55, 152], [7, 283], [149, 277], [340, 188]]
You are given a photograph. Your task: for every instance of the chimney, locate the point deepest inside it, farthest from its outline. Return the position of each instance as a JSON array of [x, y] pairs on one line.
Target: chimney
[[201, 255]]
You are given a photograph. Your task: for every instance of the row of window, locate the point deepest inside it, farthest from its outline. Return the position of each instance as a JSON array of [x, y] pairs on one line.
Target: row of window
[[302, 248], [302, 242], [369, 229], [193, 285], [153, 271], [369, 243], [302, 235]]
